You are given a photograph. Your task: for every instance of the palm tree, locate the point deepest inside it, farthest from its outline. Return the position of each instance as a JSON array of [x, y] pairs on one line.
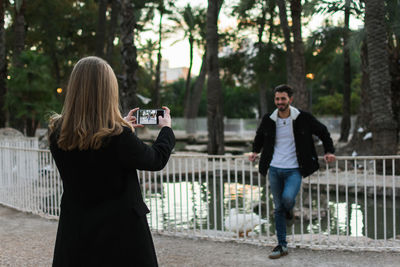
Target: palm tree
[[299, 65], [198, 86], [393, 8], [260, 9], [286, 33], [384, 127], [19, 45], [128, 53], [19, 30], [3, 65], [364, 115], [187, 22], [346, 122], [295, 61], [157, 83], [192, 21], [194, 103], [115, 12], [101, 28], [348, 7], [215, 122]]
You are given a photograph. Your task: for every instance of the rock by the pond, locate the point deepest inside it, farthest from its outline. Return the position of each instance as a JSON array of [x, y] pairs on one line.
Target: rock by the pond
[[10, 132]]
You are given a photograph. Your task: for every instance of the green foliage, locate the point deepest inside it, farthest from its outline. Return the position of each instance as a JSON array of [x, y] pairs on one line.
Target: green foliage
[[172, 96], [31, 89], [333, 104], [63, 31], [393, 18], [239, 102], [324, 58], [328, 6]]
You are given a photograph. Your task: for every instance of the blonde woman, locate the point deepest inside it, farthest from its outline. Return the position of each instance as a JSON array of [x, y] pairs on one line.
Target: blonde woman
[[103, 216]]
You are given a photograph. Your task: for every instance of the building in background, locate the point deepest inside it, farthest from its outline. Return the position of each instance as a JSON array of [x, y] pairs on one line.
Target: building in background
[[169, 75]]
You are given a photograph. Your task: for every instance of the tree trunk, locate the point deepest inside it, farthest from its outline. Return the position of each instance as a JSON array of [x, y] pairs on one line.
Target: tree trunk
[[157, 84], [19, 33], [188, 91], [195, 100], [301, 98], [115, 11], [56, 65], [346, 122], [364, 116], [19, 44], [198, 89], [384, 127], [129, 61], [263, 99], [288, 43], [395, 85], [3, 65], [215, 123], [101, 28], [394, 69], [262, 83], [31, 126]]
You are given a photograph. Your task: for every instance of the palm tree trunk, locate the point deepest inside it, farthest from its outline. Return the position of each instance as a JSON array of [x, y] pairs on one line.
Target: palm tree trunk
[[198, 89], [193, 108], [299, 65], [346, 122], [263, 108], [157, 85], [215, 123], [263, 99], [288, 43], [394, 69], [188, 91], [3, 65], [364, 116], [115, 11], [19, 45], [384, 127], [19, 33], [101, 28], [129, 61], [31, 126]]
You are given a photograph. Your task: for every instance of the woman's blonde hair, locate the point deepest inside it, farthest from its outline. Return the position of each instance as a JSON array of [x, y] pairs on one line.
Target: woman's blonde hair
[[91, 107]]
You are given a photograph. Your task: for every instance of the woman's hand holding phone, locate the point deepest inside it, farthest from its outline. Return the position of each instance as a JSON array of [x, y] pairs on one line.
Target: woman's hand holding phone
[[166, 120], [130, 118]]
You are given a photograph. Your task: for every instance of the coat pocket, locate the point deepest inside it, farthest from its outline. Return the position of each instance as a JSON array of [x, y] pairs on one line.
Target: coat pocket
[[140, 209]]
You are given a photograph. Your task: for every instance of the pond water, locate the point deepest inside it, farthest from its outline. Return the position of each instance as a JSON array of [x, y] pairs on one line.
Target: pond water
[[182, 204]]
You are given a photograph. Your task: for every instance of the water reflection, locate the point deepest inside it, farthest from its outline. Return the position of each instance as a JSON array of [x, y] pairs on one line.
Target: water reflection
[[201, 205]]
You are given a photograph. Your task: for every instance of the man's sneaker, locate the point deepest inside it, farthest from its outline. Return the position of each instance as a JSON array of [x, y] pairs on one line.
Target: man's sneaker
[[278, 251], [289, 218]]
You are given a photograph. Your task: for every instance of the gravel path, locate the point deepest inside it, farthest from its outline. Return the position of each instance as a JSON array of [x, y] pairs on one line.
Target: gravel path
[[28, 240]]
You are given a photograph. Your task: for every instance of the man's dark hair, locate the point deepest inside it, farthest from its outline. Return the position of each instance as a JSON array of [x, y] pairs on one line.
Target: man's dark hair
[[284, 88]]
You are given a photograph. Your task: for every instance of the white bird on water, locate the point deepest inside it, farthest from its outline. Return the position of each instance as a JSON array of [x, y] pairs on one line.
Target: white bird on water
[[242, 223]]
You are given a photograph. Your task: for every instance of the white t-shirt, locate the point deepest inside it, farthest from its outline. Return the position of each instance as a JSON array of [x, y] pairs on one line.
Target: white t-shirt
[[285, 148]]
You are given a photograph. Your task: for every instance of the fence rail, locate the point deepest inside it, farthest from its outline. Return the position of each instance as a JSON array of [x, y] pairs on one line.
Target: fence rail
[[353, 203]]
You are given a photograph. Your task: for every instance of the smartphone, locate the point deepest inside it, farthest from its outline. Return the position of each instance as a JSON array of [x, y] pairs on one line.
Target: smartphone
[[149, 116]]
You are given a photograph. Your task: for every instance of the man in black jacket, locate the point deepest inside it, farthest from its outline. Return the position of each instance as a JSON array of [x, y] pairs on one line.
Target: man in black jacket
[[285, 139]]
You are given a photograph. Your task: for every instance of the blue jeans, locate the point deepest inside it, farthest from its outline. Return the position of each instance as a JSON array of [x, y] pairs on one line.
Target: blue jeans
[[285, 184]]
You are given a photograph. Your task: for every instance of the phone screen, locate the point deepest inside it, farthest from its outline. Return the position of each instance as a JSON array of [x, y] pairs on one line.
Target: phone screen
[[149, 116]]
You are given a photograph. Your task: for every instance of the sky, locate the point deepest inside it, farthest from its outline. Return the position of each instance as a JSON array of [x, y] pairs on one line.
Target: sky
[[177, 53]]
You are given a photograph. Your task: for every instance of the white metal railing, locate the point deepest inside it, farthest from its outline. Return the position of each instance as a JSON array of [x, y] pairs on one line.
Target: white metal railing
[[353, 203]]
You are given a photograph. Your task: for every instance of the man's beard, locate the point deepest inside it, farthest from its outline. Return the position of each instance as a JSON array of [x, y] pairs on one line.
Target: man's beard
[[283, 107]]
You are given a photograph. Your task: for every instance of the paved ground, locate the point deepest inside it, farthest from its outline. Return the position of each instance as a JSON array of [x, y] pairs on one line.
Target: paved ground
[[28, 240]]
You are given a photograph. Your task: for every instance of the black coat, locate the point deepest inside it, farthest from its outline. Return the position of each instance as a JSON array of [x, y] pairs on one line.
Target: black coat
[[304, 126], [103, 216]]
